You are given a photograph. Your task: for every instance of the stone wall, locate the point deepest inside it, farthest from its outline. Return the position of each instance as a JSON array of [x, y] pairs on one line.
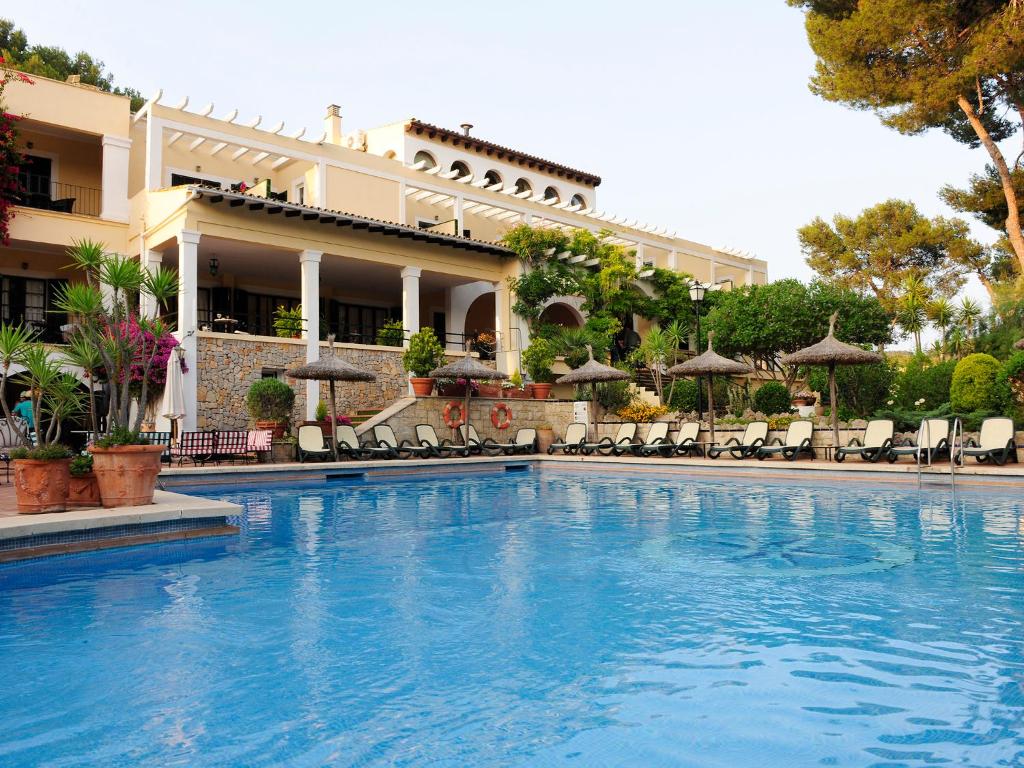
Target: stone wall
[[230, 363], [525, 413]]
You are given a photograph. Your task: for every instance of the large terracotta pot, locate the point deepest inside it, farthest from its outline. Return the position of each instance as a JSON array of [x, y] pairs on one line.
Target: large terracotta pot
[[541, 391], [422, 386], [83, 491], [452, 390], [489, 390], [545, 437], [126, 473], [515, 394], [276, 427], [41, 486]]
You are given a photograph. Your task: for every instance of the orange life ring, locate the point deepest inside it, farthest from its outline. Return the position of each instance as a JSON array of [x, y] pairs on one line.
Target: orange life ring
[[449, 420], [501, 416]]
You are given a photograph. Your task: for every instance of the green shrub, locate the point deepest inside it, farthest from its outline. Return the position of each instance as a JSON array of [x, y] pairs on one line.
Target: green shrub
[[613, 396], [923, 380], [391, 334], [684, 396], [909, 420], [121, 436], [81, 464], [974, 387], [321, 411], [538, 359], [270, 399], [772, 397], [1011, 386], [49, 452], [424, 354], [288, 322], [863, 389]]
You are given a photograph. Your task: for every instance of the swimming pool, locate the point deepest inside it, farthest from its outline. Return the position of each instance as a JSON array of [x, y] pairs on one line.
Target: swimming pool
[[533, 618]]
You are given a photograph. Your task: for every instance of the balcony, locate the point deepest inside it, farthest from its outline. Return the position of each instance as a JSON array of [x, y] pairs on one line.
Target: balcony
[[45, 195]]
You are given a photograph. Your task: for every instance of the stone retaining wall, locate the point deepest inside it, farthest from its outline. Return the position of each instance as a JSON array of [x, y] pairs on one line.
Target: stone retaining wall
[[525, 413]]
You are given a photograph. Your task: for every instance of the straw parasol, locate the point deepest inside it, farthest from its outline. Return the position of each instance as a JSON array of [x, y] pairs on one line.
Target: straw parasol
[[468, 368], [710, 364], [832, 352], [592, 372], [331, 369]]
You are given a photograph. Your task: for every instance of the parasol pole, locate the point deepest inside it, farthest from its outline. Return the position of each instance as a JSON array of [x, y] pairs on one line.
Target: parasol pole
[[711, 408], [465, 406], [835, 405], [334, 421]]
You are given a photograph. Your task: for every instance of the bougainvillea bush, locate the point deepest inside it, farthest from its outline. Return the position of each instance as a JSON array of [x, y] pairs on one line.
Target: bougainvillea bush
[[151, 354], [10, 157]]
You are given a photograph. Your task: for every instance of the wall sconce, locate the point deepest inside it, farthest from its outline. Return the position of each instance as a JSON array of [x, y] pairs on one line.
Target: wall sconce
[[214, 266]]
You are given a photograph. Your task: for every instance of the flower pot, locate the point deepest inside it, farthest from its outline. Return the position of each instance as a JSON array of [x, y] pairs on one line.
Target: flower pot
[[83, 491], [422, 386], [41, 486], [327, 427], [541, 391], [276, 427], [545, 437], [452, 390], [126, 473], [798, 401], [515, 394], [528, 390], [489, 390]]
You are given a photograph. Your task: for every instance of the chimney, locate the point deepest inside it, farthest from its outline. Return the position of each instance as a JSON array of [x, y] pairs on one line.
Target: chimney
[[466, 128], [332, 124]]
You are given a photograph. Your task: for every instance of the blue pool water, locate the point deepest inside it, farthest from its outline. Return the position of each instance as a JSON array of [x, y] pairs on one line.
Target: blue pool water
[[534, 619]]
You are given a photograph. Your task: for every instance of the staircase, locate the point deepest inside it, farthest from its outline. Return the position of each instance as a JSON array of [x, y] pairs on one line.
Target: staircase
[[644, 389], [363, 415]]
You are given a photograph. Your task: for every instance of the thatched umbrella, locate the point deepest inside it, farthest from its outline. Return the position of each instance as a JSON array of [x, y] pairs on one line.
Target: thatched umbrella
[[710, 364], [832, 352], [331, 369], [468, 368], [592, 372]]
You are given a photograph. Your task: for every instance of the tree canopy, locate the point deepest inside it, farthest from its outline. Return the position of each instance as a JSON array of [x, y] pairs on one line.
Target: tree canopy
[[58, 64], [955, 65], [885, 245]]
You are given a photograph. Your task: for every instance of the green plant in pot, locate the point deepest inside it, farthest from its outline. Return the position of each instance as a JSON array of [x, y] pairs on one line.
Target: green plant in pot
[[538, 359], [270, 402], [391, 334], [288, 322], [83, 489], [135, 351], [424, 354]]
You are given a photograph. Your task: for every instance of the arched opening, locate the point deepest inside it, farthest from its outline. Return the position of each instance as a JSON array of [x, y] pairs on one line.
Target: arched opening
[[551, 194], [461, 170], [479, 327], [426, 158], [561, 314], [492, 178], [522, 185], [579, 200]]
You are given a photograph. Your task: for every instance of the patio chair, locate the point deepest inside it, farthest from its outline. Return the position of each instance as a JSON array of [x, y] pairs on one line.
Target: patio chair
[[259, 441], [995, 442], [232, 445], [798, 440], [685, 443], [575, 436], [657, 436], [754, 437], [349, 445], [617, 445], [876, 443], [442, 449], [311, 443], [9, 440], [932, 441], [475, 444], [385, 437], [197, 447], [524, 441]]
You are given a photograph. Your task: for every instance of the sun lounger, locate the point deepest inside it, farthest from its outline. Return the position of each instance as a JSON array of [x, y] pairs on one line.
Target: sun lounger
[[471, 440], [575, 436], [685, 443], [311, 443], [877, 441], [443, 449], [798, 440], [349, 445], [754, 437], [524, 441], [657, 436], [995, 442], [617, 445], [385, 437], [932, 440]]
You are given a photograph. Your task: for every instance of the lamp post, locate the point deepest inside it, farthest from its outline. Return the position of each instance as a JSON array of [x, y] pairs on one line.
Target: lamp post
[[697, 296]]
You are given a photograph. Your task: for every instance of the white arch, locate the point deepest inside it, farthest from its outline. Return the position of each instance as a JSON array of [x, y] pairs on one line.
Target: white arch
[[573, 303], [461, 298]]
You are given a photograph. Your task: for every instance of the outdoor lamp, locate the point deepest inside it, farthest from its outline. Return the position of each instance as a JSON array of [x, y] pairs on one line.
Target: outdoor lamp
[[215, 266], [697, 292]]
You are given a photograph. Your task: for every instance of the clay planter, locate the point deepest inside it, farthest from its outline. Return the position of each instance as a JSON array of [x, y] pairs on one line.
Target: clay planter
[[422, 386], [452, 390], [276, 427], [514, 394], [41, 486], [489, 390], [541, 391], [545, 437], [126, 473], [799, 401], [83, 491]]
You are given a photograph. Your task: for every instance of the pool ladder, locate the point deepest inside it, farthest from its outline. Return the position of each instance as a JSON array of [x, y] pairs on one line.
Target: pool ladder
[[956, 445]]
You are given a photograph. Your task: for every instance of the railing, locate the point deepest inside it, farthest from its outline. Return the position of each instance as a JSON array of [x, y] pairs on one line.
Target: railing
[[63, 198]]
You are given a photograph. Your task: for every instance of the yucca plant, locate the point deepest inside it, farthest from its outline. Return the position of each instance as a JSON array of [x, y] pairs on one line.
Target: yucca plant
[[15, 341]]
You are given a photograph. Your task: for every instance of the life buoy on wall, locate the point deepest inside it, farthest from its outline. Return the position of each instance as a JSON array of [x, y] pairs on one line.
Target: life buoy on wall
[[501, 416], [457, 420]]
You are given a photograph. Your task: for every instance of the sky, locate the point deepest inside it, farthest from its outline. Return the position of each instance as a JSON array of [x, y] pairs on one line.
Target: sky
[[697, 115]]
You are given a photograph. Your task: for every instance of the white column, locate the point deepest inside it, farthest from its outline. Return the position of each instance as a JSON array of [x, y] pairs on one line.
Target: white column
[[639, 263], [501, 310], [309, 264], [672, 260], [114, 185], [411, 300], [151, 261], [713, 265], [459, 218], [154, 152], [188, 320]]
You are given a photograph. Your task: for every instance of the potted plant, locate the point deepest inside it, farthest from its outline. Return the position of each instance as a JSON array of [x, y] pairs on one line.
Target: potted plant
[[135, 350], [391, 334], [804, 398], [424, 355], [288, 322], [488, 389], [41, 478], [485, 344], [545, 437], [83, 488], [538, 359], [270, 403], [512, 387]]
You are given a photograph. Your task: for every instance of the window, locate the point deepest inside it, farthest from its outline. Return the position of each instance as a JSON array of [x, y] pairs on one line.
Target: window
[[300, 193], [461, 169], [523, 186], [427, 159], [551, 194], [35, 174], [579, 200], [492, 178]]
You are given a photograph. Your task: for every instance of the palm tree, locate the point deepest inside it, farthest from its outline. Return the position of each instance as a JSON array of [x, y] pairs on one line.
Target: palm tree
[[910, 316], [957, 341], [968, 315], [941, 312]]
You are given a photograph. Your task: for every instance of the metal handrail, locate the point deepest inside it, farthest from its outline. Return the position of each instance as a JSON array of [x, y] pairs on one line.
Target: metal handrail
[[958, 429], [925, 428]]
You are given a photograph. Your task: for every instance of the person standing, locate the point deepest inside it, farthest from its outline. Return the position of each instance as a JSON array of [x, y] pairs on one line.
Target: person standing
[[24, 410]]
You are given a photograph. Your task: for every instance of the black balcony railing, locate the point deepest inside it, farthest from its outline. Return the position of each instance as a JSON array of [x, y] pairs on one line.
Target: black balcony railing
[[48, 195]]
